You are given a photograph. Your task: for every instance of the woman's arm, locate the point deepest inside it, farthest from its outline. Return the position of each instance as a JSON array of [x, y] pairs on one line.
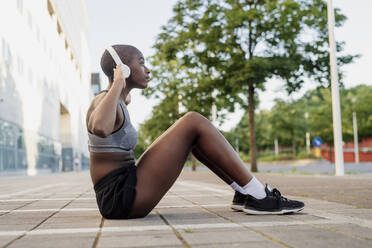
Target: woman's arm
[[128, 99], [102, 118]]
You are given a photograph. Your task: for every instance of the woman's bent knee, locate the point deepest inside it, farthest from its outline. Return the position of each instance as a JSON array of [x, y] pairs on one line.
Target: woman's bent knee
[[194, 117]]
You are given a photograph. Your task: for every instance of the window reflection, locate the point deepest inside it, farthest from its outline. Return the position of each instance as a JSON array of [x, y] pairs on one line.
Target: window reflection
[[13, 150]]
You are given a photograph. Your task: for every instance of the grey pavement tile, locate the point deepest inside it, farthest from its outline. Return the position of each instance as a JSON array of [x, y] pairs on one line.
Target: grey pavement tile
[[250, 244], [139, 239], [73, 214], [17, 227], [221, 236], [11, 205], [310, 236], [209, 200], [173, 201], [361, 213], [5, 240], [352, 229], [46, 204], [303, 216], [71, 222], [241, 217], [149, 220], [23, 218], [55, 241], [178, 216], [82, 204], [323, 204]]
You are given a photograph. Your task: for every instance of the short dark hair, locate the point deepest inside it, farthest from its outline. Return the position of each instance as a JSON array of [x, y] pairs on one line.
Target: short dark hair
[[125, 53]]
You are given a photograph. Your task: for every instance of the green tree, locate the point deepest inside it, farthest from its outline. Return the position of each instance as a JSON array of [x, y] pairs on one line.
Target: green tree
[[232, 47], [289, 123], [358, 100]]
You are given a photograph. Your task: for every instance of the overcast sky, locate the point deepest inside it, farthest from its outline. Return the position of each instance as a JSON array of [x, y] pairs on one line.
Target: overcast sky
[[138, 22]]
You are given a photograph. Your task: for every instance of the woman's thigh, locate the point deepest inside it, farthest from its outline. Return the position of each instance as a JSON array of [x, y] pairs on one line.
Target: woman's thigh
[[160, 165]]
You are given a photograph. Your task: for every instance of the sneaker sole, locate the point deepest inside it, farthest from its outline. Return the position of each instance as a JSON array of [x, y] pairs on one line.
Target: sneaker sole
[[283, 211], [238, 208]]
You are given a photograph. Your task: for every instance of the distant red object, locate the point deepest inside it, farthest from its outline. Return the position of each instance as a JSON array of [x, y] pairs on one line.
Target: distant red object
[[365, 151]]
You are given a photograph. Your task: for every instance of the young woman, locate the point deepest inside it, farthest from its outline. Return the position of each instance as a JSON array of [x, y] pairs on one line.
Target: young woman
[[126, 188]]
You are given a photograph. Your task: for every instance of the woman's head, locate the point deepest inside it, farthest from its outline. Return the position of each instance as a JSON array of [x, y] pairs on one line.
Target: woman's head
[[133, 58]]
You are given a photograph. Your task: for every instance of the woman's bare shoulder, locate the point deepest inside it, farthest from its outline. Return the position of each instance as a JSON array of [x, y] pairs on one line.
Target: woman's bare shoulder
[[96, 100]]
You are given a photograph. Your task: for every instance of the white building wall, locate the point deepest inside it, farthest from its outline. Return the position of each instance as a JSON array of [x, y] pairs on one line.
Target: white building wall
[[38, 72]]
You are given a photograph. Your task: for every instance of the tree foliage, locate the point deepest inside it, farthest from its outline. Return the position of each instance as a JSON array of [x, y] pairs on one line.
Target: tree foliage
[[287, 121], [220, 51]]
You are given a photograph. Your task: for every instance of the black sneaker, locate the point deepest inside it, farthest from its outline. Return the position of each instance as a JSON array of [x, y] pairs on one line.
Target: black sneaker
[[238, 201], [273, 203]]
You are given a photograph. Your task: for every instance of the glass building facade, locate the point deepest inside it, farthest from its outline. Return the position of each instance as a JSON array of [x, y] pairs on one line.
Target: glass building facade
[[45, 85]]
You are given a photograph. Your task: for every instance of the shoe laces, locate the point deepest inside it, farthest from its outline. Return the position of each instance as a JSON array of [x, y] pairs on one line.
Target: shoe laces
[[278, 195]]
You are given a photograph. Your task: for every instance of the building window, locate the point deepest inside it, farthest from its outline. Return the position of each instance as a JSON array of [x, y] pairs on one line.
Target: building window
[[5, 51]]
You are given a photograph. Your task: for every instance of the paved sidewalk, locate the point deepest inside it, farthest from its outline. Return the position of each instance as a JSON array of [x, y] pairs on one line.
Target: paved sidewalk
[[59, 210]]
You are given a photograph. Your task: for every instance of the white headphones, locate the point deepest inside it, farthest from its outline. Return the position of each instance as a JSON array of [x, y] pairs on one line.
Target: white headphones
[[115, 56]]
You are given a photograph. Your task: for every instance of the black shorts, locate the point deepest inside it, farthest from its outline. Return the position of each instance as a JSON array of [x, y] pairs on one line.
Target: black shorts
[[115, 193]]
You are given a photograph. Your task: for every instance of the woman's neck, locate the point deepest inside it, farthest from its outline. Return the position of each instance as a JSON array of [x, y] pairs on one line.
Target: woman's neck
[[124, 93]]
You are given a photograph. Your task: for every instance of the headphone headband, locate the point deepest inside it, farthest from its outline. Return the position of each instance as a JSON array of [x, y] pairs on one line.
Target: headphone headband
[[114, 55]]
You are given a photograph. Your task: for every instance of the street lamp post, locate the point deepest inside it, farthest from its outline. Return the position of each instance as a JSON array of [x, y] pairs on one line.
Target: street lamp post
[[307, 134], [337, 134], [356, 145], [276, 147]]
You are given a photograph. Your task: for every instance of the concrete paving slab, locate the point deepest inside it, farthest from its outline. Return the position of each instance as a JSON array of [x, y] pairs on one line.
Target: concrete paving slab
[[189, 216], [351, 229], [196, 211], [148, 239], [14, 220], [204, 237], [10, 205], [74, 214], [5, 240], [16, 227], [55, 241], [251, 244], [150, 220], [71, 222], [308, 236]]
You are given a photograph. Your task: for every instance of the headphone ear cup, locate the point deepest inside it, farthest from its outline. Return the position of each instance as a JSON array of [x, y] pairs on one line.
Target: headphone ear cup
[[126, 70]]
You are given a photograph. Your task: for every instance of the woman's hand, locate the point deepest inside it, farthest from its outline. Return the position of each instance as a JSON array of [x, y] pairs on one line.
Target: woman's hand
[[119, 75]]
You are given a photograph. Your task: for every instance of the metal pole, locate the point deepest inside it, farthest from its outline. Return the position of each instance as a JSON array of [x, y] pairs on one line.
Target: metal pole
[[356, 145], [337, 134], [307, 134], [276, 146], [307, 142]]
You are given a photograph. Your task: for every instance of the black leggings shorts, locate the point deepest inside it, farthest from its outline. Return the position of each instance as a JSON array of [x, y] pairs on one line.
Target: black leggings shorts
[[115, 193]]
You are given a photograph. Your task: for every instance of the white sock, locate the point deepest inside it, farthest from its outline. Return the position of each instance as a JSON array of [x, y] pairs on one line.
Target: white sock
[[255, 189], [237, 187]]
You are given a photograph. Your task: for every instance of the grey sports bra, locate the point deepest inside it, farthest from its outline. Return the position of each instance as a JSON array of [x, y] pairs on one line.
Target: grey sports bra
[[122, 140]]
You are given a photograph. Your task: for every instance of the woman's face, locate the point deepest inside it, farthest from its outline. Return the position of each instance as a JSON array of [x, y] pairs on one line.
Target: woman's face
[[140, 74]]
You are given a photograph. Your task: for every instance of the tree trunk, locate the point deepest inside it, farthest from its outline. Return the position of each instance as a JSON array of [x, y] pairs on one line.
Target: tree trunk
[[294, 149], [252, 139], [193, 163]]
